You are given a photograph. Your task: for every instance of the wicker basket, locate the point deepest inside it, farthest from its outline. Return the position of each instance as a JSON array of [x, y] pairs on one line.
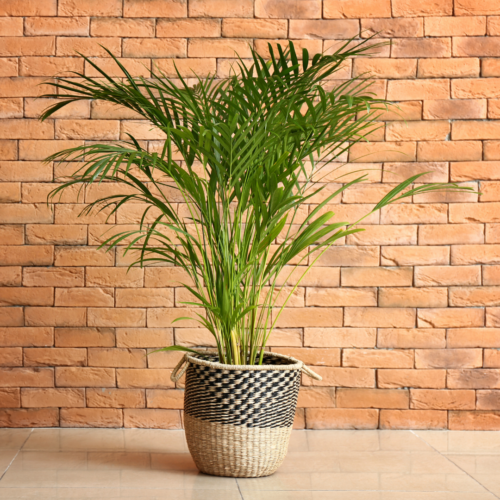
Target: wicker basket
[[238, 419]]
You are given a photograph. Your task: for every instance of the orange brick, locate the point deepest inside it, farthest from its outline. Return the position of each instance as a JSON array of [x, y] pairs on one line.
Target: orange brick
[[11, 192], [168, 398], [117, 358], [9, 67], [376, 276], [409, 90], [491, 358], [85, 377], [29, 46], [84, 337], [385, 68], [113, 27], [450, 317], [164, 317], [343, 377], [91, 417], [445, 109], [468, 212], [382, 318], [166, 359], [26, 377], [204, 28], [302, 317], [152, 419], [382, 152], [25, 171], [475, 88], [11, 26], [364, 358], [26, 337], [431, 379], [39, 150], [316, 397], [23, 86], [150, 378], [54, 356], [475, 296], [410, 338], [350, 256], [341, 418], [327, 297], [55, 316], [313, 357], [144, 337], [451, 235], [434, 172], [13, 356], [145, 297], [90, 47], [59, 276], [10, 398], [491, 275], [448, 358], [415, 214], [421, 47], [30, 418], [26, 129], [372, 398], [413, 297], [392, 28], [327, 30], [448, 68], [156, 8], [474, 379], [8, 149], [76, 26], [52, 398], [449, 150], [492, 235], [494, 109], [475, 254], [407, 8], [220, 8], [115, 277], [10, 276], [49, 66], [356, 8], [11, 316], [488, 400], [26, 255], [83, 256], [474, 420], [489, 67], [455, 26], [11, 108], [475, 46], [447, 275], [202, 67], [116, 398], [154, 47], [420, 131], [111, 317], [473, 337], [340, 337], [262, 46], [475, 130], [315, 277], [476, 7], [303, 9], [413, 419], [493, 23]]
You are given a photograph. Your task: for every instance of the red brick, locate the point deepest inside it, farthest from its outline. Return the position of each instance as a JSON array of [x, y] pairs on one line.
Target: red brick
[[413, 419], [30, 418], [12, 356], [463, 109], [364, 358], [11, 26], [385, 68], [432, 379], [156, 8], [55, 316], [341, 418], [392, 28], [421, 47], [152, 419], [116, 398], [169, 398], [26, 255], [52, 398], [372, 398], [91, 417], [455, 26], [475, 88], [379, 317], [410, 338], [447, 275], [451, 68], [10, 276], [407, 8], [413, 297], [488, 400], [26, 377], [10, 398], [301, 9], [473, 379], [474, 420], [76, 26], [84, 337], [54, 356], [90, 47], [150, 378]]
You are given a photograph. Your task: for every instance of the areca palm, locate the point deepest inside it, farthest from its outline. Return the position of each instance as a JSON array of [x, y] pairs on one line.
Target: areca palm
[[253, 148]]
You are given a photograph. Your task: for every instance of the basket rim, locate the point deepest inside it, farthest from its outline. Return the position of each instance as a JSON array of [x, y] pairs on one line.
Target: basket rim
[[296, 364]]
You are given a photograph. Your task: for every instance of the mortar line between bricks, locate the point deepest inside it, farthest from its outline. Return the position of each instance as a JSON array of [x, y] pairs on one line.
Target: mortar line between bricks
[[452, 462], [15, 456]]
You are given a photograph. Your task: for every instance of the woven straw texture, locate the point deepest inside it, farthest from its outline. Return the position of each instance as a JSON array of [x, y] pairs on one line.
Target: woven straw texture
[[237, 420]]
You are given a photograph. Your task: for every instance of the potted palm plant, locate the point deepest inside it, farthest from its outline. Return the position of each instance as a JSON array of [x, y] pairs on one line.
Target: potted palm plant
[[253, 149]]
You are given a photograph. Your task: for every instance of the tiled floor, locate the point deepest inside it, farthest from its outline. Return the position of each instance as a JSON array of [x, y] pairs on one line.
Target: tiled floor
[[321, 465]]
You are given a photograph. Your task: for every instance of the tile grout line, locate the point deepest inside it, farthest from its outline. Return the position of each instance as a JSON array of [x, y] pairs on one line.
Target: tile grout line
[[15, 456], [451, 461], [239, 489]]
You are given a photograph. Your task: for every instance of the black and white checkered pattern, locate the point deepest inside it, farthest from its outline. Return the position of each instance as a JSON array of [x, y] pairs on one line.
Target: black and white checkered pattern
[[250, 398]]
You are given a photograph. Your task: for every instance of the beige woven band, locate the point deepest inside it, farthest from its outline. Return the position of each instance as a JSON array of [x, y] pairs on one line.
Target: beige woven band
[[183, 364]]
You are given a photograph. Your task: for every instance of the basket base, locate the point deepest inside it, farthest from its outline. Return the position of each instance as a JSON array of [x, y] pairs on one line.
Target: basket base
[[235, 451]]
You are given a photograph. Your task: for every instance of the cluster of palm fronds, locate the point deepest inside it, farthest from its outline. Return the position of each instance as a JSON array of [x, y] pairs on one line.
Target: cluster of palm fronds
[[253, 146]]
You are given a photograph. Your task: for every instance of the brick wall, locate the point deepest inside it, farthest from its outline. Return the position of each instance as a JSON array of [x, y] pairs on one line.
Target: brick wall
[[402, 321]]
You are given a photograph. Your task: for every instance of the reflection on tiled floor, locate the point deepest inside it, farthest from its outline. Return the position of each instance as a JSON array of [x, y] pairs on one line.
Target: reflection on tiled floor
[[321, 465]]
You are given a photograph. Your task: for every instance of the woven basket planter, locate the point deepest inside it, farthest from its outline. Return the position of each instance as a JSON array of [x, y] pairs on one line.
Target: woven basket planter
[[238, 419]]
